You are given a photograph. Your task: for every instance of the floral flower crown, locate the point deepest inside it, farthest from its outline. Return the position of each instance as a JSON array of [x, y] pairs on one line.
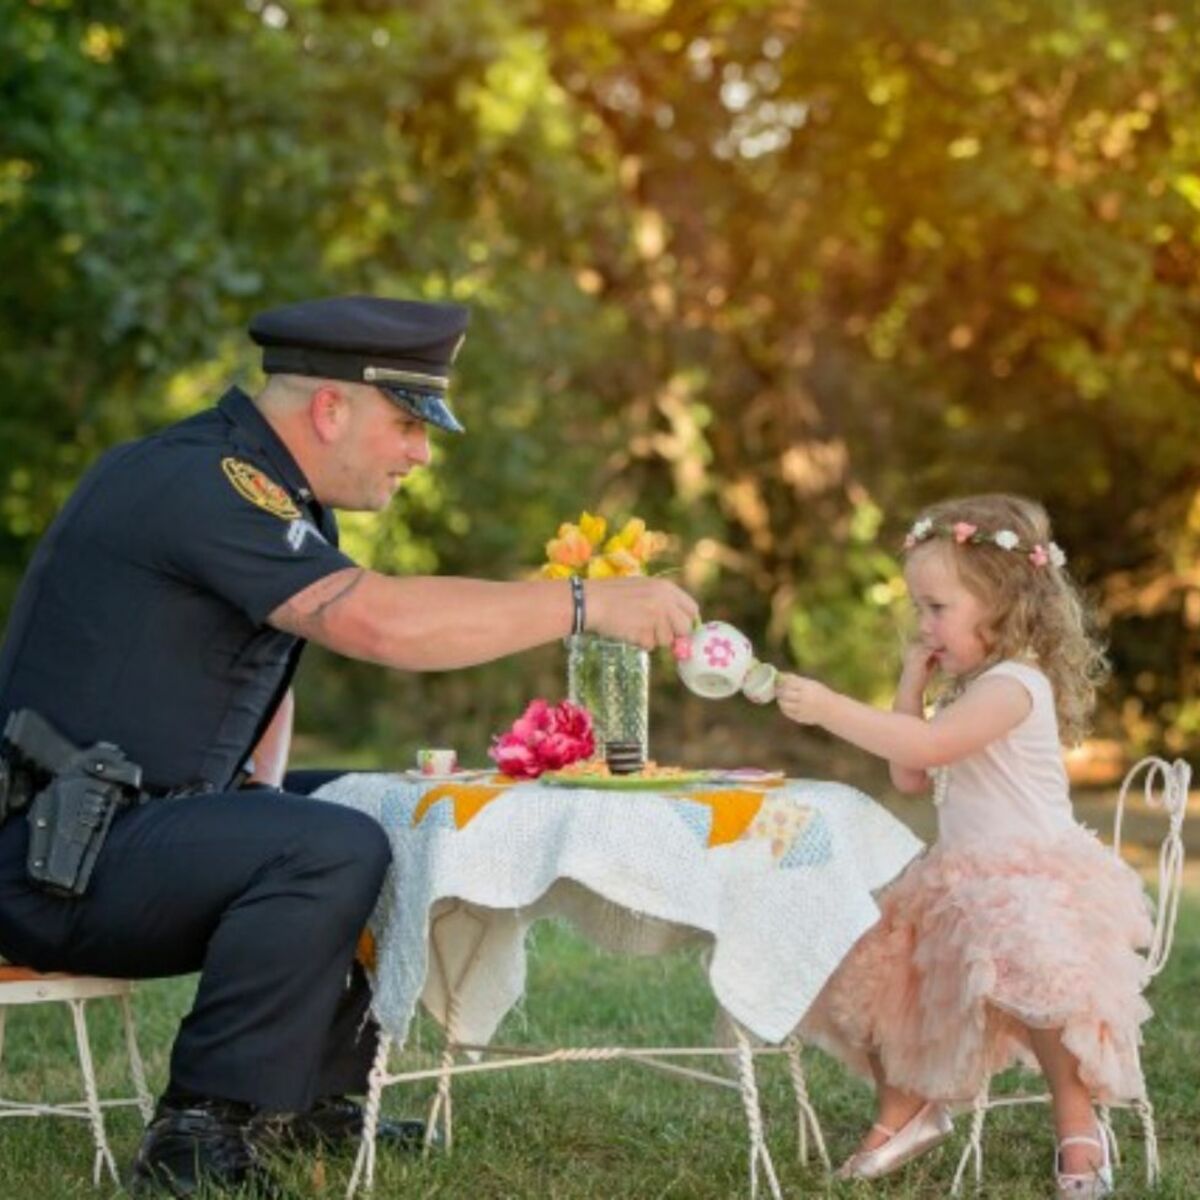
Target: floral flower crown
[[966, 534]]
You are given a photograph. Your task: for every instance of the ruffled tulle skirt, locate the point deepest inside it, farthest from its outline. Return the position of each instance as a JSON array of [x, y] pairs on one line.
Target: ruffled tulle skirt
[[973, 945]]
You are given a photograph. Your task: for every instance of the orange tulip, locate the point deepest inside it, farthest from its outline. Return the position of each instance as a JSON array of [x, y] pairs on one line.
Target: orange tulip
[[570, 548]]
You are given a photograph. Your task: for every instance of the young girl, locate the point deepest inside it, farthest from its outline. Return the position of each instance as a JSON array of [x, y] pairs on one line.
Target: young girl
[[1015, 935]]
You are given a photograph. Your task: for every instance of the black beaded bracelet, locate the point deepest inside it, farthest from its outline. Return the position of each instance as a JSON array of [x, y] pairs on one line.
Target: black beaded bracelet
[[579, 607]]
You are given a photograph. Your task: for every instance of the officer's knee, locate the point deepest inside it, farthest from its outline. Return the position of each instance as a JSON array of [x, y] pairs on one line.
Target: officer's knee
[[370, 846], [353, 853]]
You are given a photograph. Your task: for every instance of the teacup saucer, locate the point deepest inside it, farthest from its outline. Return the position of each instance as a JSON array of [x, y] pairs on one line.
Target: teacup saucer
[[462, 775]]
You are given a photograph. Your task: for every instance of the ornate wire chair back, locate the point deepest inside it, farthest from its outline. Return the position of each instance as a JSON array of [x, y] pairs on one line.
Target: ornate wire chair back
[[1164, 787]]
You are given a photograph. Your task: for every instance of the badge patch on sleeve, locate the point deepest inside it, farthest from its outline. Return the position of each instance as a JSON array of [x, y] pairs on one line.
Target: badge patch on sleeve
[[251, 484]]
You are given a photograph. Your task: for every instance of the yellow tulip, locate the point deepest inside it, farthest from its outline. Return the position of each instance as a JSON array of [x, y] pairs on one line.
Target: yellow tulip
[[593, 528], [623, 563], [600, 568], [631, 531], [556, 571]]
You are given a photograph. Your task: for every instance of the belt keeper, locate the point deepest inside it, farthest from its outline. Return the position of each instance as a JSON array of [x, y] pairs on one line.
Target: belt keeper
[[578, 605]]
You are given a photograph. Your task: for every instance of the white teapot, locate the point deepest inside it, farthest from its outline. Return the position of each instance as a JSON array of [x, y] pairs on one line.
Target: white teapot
[[717, 660]]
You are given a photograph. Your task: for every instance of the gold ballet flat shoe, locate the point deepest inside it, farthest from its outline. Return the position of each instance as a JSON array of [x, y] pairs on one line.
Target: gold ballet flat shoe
[[1094, 1184], [929, 1126]]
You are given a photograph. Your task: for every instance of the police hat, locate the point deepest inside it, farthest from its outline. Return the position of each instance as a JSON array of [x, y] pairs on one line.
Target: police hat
[[403, 347]]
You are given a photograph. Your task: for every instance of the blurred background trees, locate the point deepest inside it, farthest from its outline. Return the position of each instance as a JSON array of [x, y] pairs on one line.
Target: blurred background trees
[[770, 275]]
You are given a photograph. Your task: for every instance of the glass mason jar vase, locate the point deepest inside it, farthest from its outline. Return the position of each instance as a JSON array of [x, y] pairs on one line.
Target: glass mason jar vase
[[612, 681]]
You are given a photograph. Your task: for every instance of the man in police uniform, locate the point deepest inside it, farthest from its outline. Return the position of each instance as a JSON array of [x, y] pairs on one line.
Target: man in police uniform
[[164, 611]]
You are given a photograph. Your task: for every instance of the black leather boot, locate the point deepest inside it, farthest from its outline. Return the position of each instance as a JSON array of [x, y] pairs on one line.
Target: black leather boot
[[200, 1146], [333, 1123]]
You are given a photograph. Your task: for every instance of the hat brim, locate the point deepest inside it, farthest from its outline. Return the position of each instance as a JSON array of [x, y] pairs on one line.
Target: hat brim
[[430, 407]]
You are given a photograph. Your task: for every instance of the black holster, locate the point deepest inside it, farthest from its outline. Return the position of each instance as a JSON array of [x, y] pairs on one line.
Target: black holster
[[68, 822], [75, 795]]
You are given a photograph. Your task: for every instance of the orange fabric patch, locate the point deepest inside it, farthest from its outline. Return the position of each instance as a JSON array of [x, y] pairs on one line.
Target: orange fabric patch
[[366, 952], [732, 812], [469, 799]]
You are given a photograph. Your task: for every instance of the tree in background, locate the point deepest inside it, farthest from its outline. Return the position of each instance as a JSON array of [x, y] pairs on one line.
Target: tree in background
[[771, 274]]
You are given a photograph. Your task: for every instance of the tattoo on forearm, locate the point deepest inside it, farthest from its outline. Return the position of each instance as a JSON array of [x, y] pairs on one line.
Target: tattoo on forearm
[[303, 614]]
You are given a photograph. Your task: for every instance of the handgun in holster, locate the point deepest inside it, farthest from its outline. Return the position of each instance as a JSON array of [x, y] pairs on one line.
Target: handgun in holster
[[78, 792]]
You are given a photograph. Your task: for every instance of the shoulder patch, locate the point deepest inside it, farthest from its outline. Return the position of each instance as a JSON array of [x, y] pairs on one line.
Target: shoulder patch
[[252, 484]]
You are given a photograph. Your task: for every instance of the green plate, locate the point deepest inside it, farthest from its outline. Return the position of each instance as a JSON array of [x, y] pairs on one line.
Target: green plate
[[627, 783]]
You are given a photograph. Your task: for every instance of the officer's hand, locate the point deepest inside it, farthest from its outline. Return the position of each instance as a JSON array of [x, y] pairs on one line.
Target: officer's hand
[[647, 612]]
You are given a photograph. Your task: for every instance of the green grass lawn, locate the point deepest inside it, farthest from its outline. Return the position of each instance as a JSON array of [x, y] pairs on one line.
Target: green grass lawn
[[609, 1131]]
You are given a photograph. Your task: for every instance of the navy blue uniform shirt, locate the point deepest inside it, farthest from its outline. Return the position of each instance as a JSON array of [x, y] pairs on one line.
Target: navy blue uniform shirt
[[141, 619]]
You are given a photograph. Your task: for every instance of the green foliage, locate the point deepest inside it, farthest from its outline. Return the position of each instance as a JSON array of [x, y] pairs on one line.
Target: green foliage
[[749, 269]]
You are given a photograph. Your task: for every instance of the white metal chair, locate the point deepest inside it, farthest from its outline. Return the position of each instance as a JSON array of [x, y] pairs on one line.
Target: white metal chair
[[1174, 779], [22, 986]]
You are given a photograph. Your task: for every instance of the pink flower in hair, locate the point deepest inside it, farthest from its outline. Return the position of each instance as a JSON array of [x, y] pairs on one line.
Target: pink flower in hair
[[909, 541], [963, 531], [1039, 555]]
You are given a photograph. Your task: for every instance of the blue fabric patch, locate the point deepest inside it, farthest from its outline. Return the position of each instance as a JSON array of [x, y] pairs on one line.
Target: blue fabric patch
[[697, 817], [401, 800], [439, 815], [813, 847]]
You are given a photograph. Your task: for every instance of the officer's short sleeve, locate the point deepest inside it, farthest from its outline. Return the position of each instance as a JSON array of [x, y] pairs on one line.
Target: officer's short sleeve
[[230, 528]]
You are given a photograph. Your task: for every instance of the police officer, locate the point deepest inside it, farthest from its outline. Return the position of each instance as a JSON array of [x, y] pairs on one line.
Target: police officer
[[164, 611]]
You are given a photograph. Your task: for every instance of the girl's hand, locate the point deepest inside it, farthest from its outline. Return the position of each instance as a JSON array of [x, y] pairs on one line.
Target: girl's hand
[[919, 666], [800, 699]]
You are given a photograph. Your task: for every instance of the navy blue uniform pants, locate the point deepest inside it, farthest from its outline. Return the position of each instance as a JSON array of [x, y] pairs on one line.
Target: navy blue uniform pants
[[264, 894]]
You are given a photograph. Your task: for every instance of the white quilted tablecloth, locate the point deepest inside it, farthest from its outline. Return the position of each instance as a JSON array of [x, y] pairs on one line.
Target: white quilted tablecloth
[[636, 872]]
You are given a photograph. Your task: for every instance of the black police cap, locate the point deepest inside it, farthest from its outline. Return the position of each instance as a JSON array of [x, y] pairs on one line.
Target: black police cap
[[403, 347]]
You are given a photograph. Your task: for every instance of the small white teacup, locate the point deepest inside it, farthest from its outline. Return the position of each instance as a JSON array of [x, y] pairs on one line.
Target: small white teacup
[[759, 685], [431, 761], [714, 661]]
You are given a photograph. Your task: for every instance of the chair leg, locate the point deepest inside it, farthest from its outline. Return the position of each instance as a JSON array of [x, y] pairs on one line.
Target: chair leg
[[137, 1069], [974, 1147], [1110, 1134], [104, 1155], [1145, 1110]]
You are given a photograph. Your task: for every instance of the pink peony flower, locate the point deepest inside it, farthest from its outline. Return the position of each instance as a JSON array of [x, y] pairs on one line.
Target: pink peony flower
[[963, 531], [574, 722], [681, 648], [544, 737], [1039, 556], [514, 757]]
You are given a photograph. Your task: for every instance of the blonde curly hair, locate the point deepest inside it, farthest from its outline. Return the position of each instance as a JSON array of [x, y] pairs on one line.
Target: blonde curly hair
[[1035, 610]]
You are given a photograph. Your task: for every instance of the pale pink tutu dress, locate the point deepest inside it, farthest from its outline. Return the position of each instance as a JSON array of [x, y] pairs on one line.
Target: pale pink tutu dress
[[1016, 916]]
